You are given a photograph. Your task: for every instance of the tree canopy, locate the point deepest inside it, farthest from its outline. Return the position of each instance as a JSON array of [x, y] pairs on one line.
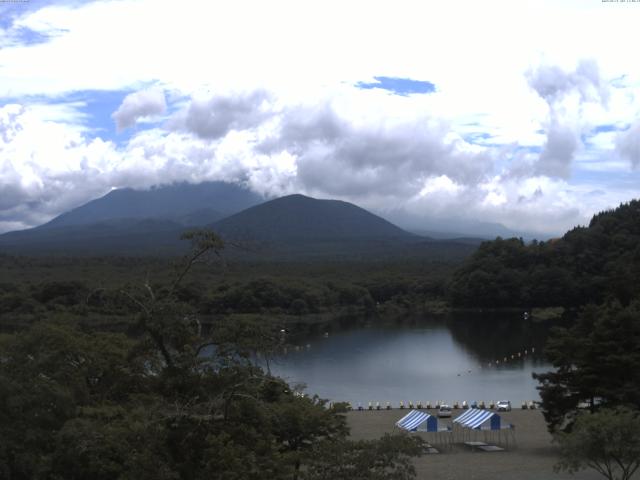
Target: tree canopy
[[607, 441], [168, 403], [596, 363], [588, 264]]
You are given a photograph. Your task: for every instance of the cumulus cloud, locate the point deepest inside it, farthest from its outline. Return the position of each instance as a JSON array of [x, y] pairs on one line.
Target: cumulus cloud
[[65, 168], [380, 151], [558, 152], [557, 87], [213, 118], [145, 103], [41, 178], [628, 144], [338, 156], [553, 83]]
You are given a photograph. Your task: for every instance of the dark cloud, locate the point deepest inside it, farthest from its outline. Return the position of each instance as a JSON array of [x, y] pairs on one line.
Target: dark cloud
[[628, 144], [536, 195], [558, 152], [337, 157], [553, 84], [213, 118]]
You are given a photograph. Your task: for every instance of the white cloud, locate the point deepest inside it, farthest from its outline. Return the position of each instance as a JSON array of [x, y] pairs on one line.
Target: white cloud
[[145, 103], [265, 95]]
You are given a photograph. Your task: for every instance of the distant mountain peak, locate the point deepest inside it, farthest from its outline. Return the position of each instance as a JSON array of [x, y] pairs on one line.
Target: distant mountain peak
[[291, 227], [300, 216], [176, 202]]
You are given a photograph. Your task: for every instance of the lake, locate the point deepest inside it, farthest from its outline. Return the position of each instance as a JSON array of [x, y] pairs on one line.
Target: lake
[[426, 360]]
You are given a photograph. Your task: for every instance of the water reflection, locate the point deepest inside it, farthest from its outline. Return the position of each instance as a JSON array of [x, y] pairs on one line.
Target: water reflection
[[424, 361]]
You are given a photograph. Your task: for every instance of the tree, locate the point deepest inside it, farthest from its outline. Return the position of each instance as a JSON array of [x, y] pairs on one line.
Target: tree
[[299, 423], [385, 459], [595, 362], [51, 375], [77, 404], [607, 441]]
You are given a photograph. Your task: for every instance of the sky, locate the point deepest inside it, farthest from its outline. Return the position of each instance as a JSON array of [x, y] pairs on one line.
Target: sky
[[523, 113]]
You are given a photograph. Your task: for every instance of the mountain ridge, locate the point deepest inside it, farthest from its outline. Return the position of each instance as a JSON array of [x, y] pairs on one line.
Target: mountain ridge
[[176, 202], [299, 216], [290, 227]]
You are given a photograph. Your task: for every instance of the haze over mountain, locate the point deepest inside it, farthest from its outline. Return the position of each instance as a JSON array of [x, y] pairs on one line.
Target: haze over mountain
[[183, 203], [151, 222]]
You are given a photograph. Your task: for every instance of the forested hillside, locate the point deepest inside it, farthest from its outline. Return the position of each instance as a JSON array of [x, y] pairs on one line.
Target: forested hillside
[[587, 265]]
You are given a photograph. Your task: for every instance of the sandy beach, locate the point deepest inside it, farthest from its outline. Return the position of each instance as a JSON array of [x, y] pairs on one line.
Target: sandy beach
[[532, 458]]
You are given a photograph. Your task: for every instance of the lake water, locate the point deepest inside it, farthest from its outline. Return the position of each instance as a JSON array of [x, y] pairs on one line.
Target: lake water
[[448, 361]]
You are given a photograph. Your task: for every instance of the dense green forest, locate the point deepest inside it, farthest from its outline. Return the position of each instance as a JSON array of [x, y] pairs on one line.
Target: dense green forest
[[89, 290], [587, 265], [101, 372], [77, 403], [592, 271]]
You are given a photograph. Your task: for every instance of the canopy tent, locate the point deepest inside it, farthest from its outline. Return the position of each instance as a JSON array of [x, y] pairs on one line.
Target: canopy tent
[[417, 421], [485, 421], [475, 418]]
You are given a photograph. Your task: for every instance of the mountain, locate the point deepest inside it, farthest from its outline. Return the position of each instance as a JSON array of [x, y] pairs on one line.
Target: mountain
[[183, 203], [292, 227], [296, 218], [123, 236], [300, 227], [127, 221]]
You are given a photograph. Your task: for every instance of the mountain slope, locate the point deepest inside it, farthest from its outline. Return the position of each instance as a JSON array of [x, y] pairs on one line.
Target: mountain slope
[[288, 228], [123, 236], [297, 227], [298, 218], [187, 204]]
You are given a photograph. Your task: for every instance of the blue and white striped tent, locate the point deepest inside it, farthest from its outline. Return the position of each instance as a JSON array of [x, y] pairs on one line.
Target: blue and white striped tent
[[417, 421], [475, 418]]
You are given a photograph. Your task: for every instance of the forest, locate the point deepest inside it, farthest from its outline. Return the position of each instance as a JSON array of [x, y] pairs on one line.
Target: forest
[[102, 374], [88, 290], [78, 401], [587, 265]]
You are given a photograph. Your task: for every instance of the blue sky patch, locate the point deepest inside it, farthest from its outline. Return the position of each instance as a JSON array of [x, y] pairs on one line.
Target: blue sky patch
[[23, 36], [98, 106], [529, 148], [399, 86], [95, 108], [605, 129], [477, 138], [12, 10]]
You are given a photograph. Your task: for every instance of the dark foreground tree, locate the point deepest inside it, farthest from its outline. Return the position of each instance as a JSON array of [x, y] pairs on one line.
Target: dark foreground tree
[[596, 364], [168, 404], [607, 441], [388, 458]]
